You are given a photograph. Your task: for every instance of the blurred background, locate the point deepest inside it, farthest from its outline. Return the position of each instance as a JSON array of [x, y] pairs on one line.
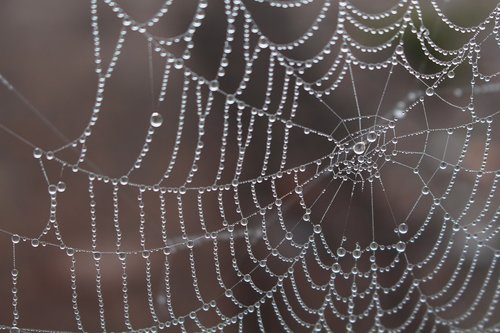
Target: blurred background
[[47, 100]]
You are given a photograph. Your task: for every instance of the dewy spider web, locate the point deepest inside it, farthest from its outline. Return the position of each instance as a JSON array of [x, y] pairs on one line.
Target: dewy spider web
[[337, 203]]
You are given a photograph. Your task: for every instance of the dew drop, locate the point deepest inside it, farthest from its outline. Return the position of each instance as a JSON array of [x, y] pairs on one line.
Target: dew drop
[[403, 228], [425, 190], [317, 229], [359, 148], [182, 190], [156, 119], [16, 239], [371, 137], [341, 251], [213, 85], [178, 63], [37, 153], [263, 42], [124, 180], [61, 186], [429, 91], [401, 246], [52, 189]]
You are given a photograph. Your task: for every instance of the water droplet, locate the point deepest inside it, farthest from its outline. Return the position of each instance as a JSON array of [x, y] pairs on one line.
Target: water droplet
[[61, 186], [403, 228], [52, 189], [182, 190], [401, 246], [341, 251], [359, 148], [16, 239], [373, 246], [35, 242], [178, 63], [37, 153], [263, 42], [156, 119], [425, 190], [298, 189], [213, 85], [124, 180], [429, 91], [317, 229], [336, 268], [70, 252], [97, 256], [371, 137], [451, 74]]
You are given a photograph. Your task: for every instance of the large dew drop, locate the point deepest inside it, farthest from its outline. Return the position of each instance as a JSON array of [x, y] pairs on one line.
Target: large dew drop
[[401, 246], [156, 119], [359, 148]]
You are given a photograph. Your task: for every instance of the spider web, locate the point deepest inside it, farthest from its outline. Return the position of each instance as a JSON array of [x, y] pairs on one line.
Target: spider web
[[348, 188]]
